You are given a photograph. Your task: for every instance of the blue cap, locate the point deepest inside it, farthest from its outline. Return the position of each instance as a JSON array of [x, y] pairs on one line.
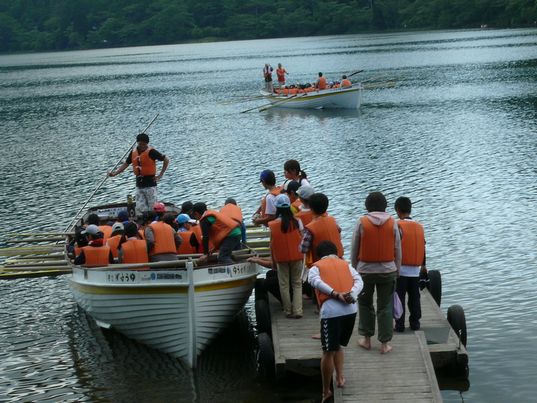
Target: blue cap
[[282, 201], [266, 175], [183, 218]]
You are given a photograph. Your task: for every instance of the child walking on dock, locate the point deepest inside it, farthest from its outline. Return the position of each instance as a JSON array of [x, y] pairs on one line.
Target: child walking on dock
[[336, 284]]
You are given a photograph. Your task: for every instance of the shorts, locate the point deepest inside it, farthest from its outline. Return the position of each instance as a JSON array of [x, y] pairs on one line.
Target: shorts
[[336, 332]]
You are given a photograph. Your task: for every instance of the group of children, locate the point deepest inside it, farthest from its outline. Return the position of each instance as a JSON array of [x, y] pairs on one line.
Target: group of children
[[387, 256]]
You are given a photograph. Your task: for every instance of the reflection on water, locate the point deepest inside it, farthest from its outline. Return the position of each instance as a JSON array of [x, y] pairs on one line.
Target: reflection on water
[[456, 134]]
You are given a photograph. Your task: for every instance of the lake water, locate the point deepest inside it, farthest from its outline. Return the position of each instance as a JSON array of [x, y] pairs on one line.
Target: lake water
[[456, 134]]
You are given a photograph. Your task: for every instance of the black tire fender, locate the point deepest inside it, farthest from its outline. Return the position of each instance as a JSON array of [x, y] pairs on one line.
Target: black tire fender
[[457, 321], [265, 356], [262, 316], [435, 285]]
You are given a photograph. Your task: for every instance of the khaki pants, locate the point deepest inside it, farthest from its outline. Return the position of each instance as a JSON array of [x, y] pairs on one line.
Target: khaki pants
[[290, 274]]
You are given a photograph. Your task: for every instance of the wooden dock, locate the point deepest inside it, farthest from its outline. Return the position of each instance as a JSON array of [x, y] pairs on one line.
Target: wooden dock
[[405, 374]]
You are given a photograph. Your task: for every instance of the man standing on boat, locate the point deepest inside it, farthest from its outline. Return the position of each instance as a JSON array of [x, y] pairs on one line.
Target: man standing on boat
[[281, 72], [321, 82], [143, 159], [267, 74]]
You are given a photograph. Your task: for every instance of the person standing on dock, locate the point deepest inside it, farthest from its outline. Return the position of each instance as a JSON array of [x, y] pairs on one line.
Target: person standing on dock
[[376, 255], [413, 257], [292, 172], [336, 285], [143, 159], [267, 210], [280, 73]]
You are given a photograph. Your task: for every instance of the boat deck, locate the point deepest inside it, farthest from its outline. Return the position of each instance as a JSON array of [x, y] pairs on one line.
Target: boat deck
[[435, 346]]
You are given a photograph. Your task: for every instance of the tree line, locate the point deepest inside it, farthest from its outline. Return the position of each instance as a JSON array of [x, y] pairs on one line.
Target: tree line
[[36, 25]]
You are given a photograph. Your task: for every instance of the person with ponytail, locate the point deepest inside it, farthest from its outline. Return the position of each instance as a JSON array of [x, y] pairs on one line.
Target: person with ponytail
[[285, 237], [292, 172]]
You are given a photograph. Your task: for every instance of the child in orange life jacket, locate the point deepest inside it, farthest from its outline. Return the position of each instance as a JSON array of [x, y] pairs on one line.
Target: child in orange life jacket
[[290, 189], [376, 255], [232, 210], [337, 285], [115, 238], [190, 242], [413, 256], [267, 210], [96, 253], [285, 235], [132, 248], [162, 240], [305, 214]]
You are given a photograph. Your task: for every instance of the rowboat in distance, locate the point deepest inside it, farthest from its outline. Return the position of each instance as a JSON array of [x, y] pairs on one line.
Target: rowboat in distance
[[331, 98], [173, 306]]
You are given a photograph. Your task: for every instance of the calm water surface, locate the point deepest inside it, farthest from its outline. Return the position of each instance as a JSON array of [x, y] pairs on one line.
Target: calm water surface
[[456, 134]]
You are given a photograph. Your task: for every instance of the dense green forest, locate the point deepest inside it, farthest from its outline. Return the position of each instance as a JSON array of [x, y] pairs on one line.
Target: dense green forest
[[32, 25]]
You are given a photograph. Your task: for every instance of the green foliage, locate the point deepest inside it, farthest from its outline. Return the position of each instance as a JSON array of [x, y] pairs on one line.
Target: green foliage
[[76, 24]]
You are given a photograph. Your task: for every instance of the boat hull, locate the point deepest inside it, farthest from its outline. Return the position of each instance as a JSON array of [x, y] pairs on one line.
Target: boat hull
[[177, 311], [350, 98]]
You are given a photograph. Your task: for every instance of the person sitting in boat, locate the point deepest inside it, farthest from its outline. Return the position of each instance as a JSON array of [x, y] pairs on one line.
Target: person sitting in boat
[[345, 82], [93, 219], [221, 230], [115, 238], [159, 209], [267, 210], [321, 84], [162, 240], [232, 210], [132, 248], [186, 208], [190, 242], [143, 159], [96, 253]]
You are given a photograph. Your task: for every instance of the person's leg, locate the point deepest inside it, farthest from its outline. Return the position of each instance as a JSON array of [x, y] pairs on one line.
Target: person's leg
[[271, 284], [414, 305], [283, 282], [385, 288], [339, 358], [366, 320], [227, 246], [141, 204], [296, 285], [400, 287], [327, 369]]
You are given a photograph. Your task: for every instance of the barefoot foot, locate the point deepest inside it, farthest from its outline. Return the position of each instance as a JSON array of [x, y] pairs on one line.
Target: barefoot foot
[[340, 382], [365, 342], [327, 397], [316, 336], [385, 348]]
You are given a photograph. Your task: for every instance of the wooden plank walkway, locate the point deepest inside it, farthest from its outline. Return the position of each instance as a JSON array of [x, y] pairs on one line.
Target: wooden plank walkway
[[408, 371]]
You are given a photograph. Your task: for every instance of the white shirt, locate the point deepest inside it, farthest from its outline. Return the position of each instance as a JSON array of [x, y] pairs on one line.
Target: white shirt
[[334, 307], [270, 204]]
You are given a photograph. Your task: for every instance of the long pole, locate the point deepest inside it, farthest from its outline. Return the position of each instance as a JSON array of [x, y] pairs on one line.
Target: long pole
[[106, 176]]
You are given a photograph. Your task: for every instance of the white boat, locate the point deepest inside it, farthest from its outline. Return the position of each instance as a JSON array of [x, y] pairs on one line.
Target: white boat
[[173, 306], [344, 98]]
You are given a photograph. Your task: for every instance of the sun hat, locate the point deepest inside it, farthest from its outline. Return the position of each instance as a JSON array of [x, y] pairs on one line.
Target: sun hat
[[117, 227], [282, 201], [305, 192], [91, 229]]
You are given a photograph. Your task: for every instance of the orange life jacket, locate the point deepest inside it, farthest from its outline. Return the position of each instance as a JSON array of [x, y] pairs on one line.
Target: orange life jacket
[[321, 83], [221, 228], [276, 190], [134, 251], [412, 242], [141, 233], [305, 216], [232, 211], [334, 272], [377, 243], [284, 245], [106, 230], [113, 242], [96, 255], [196, 229], [346, 83], [164, 238], [323, 228], [142, 164], [186, 248]]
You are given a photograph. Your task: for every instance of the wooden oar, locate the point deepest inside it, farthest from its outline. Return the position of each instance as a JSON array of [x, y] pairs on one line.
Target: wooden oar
[[33, 240], [352, 74], [75, 218], [37, 234], [243, 99], [32, 274], [272, 103], [30, 250]]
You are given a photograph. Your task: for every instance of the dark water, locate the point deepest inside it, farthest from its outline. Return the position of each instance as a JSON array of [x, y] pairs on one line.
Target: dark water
[[456, 134]]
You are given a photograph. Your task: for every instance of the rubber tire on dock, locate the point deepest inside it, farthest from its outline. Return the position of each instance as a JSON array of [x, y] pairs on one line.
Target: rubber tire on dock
[[457, 320], [262, 316], [435, 285], [260, 290], [265, 356]]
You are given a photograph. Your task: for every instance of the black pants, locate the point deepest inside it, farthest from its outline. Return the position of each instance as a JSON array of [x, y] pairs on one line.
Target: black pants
[[410, 286], [227, 246]]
